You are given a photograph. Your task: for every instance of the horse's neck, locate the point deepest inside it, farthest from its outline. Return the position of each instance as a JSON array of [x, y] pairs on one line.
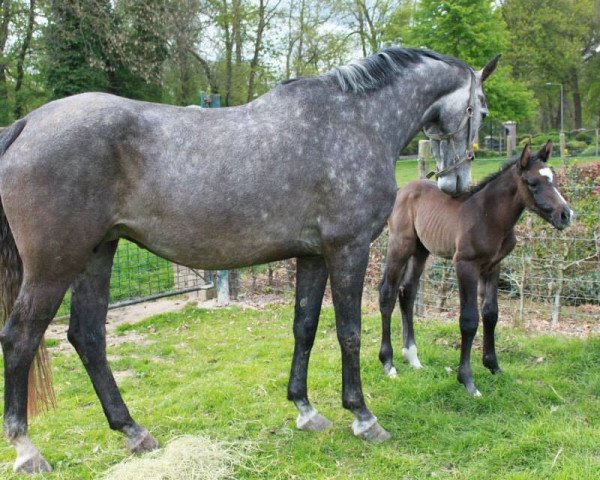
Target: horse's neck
[[399, 110], [501, 201]]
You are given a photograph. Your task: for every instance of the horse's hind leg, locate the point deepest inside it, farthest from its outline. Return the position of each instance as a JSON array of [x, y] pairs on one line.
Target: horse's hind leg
[[407, 295], [87, 333], [311, 279], [33, 310], [347, 265], [489, 313]]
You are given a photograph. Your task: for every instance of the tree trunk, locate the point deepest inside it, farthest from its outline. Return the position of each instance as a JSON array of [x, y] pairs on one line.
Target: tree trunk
[[576, 99], [21, 59], [228, 52], [5, 21], [298, 63], [257, 49]]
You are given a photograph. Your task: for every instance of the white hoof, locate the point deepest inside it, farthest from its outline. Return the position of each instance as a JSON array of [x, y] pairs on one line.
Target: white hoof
[[392, 373], [410, 354]]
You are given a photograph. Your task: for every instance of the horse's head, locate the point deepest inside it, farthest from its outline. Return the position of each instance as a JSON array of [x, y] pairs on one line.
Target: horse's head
[[457, 119], [538, 187]]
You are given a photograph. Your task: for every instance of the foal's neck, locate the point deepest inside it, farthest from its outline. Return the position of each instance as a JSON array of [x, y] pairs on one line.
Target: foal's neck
[[502, 201]]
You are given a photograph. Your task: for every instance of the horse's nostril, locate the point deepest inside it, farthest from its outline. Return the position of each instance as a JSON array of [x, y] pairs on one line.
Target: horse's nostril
[[565, 215]]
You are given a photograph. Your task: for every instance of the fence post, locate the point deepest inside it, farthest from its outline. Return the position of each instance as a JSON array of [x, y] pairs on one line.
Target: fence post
[[424, 153], [563, 146], [223, 288], [597, 132]]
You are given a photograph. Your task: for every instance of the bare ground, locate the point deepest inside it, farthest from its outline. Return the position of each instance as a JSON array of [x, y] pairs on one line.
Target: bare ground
[[135, 313]]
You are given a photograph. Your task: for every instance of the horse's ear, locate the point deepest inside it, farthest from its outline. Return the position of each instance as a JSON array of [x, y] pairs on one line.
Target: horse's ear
[[486, 71], [523, 162], [546, 151]]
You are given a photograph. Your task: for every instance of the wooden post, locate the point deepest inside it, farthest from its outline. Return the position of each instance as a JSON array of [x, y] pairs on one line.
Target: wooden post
[[424, 154]]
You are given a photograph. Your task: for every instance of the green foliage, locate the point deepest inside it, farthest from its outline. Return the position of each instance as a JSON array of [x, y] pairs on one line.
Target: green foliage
[[474, 32], [76, 60]]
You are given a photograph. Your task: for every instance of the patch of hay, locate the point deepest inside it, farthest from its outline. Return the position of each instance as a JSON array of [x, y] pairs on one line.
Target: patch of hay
[[187, 457]]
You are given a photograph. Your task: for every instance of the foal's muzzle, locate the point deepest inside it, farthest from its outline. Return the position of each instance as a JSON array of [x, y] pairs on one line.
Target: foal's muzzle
[[561, 218]]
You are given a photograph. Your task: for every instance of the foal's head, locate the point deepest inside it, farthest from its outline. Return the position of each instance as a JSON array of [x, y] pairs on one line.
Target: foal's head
[[538, 187]]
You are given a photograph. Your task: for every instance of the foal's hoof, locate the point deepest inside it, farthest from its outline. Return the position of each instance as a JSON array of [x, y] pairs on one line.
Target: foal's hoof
[[370, 431], [35, 464], [314, 422], [142, 443], [496, 371]]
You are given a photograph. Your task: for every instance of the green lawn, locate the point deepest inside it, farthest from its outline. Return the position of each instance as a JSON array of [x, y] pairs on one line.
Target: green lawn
[[406, 170], [223, 374]]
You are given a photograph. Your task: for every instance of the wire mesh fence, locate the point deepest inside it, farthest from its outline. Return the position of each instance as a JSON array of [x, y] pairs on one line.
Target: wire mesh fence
[[550, 276]]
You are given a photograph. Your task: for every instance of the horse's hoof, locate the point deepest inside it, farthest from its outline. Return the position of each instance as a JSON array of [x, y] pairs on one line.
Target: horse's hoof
[[390, 371], [496, 371], [142, 443], [472, 389], [371, 431], [35, 464], [314, 422]]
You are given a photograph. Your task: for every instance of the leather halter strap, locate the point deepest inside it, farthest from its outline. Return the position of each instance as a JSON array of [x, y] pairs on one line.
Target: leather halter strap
[[466, 121]]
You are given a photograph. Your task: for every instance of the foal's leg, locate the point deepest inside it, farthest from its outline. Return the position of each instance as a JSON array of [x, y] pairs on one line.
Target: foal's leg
[[489, 313], [347, 265], [387, 300], [311, 278], [407, 295], [34, 308], [87, 333], [467, 275], [400, 248]]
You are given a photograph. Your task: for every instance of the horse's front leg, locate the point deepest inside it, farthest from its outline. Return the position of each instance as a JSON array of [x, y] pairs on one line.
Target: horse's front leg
[[311, 278], [489, 313], [87, 333], [347, 266], [467, 274]]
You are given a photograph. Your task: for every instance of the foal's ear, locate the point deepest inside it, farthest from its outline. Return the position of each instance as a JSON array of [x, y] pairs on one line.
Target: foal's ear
[[546, 151], [486, 71], [523, 162]]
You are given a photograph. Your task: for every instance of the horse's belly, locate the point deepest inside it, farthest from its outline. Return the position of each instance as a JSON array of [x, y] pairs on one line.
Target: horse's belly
[[221, 248]]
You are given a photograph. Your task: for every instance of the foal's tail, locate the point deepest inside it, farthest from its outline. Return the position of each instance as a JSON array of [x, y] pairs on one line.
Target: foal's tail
[[40, 392]]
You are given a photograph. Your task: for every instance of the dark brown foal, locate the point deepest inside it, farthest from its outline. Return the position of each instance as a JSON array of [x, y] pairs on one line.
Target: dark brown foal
[[476, 231]]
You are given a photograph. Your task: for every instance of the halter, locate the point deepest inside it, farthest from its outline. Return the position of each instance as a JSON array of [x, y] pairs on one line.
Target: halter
[[465, 122]]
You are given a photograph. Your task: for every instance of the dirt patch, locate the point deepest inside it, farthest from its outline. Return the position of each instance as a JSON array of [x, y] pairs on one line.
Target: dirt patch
[[119, 316]]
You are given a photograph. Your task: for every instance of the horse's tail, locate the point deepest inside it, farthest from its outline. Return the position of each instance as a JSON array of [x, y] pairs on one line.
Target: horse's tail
[[40, 392]]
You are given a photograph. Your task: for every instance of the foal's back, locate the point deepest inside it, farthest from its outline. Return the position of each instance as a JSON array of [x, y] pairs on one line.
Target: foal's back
[[423, 213]]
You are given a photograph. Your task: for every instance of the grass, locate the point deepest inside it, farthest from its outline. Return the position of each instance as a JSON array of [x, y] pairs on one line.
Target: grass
[[223, 374], [406, 170]]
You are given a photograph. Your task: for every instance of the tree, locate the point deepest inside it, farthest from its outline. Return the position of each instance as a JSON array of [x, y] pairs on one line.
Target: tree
[[76, 40], [548, 39], [473, 30]]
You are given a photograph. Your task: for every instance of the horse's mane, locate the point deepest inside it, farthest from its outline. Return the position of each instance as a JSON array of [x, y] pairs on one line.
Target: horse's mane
[[490, 178], [376, 71]]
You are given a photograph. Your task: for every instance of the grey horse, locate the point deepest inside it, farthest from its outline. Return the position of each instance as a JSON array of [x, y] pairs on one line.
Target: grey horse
[[305, 171]]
